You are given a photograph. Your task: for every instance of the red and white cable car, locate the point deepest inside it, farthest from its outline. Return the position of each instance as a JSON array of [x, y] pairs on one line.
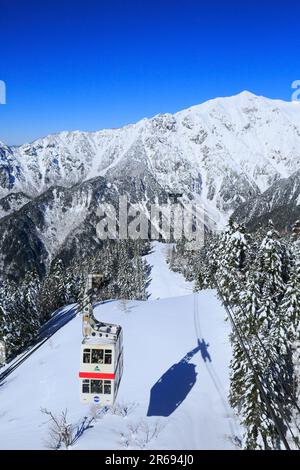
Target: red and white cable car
[[101, 357]]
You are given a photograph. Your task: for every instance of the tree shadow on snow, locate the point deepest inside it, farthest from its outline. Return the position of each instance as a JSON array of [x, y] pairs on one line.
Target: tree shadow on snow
[[174, 385], [148, 278], [85, 424], [60, 318]]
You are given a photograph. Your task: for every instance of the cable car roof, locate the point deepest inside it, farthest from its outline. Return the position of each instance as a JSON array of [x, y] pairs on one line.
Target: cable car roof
[[96, 341]]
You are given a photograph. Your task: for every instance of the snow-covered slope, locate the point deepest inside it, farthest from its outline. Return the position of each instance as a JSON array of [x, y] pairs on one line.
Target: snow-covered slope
[[176, 353], [164, 283]]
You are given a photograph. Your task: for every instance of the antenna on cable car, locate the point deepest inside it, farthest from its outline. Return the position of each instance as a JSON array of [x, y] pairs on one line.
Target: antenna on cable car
[[101, 363]]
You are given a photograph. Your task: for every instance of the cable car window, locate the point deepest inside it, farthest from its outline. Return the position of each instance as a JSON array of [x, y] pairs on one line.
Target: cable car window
[[86, 386], [97, 356], [108, 354], [96, 386], [107, 387], [86, 356]]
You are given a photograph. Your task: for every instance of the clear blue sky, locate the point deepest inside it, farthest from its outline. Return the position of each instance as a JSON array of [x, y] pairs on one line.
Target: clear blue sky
[[89, 64]]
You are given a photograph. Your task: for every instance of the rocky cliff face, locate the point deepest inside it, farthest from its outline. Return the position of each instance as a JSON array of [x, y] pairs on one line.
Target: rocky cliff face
[[280, 203]]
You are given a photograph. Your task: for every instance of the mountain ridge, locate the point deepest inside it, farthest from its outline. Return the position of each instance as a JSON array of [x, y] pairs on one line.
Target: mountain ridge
[[74, 156]]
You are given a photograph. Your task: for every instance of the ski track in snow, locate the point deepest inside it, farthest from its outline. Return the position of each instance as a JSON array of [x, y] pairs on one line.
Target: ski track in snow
[[168, 345]]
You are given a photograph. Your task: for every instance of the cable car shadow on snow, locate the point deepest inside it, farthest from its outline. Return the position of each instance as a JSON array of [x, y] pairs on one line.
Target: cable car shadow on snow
[[203, 350], [174, 385]]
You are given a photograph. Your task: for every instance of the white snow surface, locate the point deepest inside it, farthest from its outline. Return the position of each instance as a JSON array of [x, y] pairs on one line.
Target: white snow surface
[[158, 335], [164, 282]]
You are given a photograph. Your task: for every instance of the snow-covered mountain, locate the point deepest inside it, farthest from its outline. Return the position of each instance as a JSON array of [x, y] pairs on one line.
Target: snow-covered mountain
[[222, 152], [280, 203], [225, 150]]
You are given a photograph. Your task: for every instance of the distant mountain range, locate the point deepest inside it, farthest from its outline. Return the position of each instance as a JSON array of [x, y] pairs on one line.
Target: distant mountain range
[[239, 154]]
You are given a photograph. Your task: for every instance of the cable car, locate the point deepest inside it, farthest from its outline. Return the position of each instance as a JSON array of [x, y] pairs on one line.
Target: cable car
[[101, 357], [101, 366]]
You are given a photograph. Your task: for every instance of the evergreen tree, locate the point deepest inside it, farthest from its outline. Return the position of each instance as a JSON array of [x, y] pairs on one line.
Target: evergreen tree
[[29, 314], [260, 430], [289, 309], [296, 229], [140, 270], [273, 264], [232, 254], [286, 336], [125, 274], [54, 291], [245, 395], [14, 322]]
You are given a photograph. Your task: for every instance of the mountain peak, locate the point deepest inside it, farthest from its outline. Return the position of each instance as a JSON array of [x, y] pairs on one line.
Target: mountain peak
[[247, 94]]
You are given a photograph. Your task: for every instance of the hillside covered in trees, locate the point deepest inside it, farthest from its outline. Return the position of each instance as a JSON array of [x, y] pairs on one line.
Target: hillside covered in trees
[[27, 305], [257, 277]]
